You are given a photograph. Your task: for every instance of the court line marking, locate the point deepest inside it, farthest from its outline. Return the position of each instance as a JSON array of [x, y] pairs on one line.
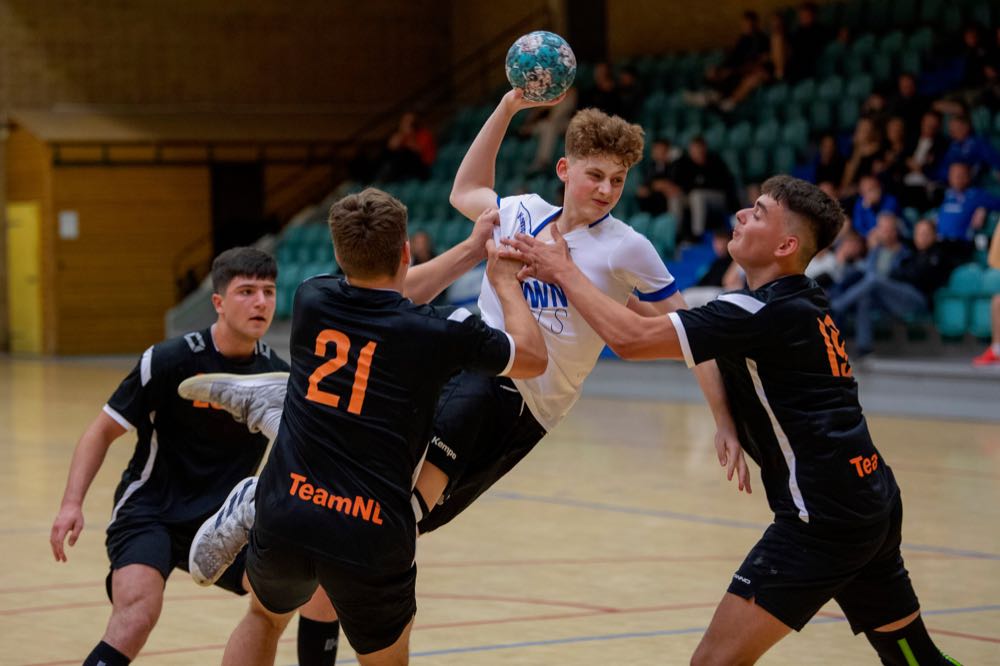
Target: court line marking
[[825, 618], [706, 520]]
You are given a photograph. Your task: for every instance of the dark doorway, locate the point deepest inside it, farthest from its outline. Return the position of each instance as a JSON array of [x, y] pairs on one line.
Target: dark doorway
[[237, 204], [587, 28]]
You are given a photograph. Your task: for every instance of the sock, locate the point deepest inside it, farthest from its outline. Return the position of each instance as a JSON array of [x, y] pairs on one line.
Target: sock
[[317, 643], [909, 646], [105, 655]]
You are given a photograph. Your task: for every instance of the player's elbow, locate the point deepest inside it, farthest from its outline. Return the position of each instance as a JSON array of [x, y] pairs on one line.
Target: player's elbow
[[529, 362]]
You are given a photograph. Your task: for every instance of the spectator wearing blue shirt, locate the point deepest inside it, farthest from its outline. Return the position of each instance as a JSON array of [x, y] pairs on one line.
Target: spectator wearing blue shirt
[[962, 212], [870, 202], [976, 151]]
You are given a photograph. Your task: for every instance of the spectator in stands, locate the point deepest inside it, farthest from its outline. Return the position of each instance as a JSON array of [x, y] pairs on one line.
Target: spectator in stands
[[548, 124], [926, 267], [832, 268], [992, 354], [707, 190], [722, 274], [963, 211], [871, 202], [421, 248], [975, 151], [742, 61], [865, 149], [410, 151], [603, 94], [630, 94], [976, 54], [828, 166], [908, 104], [807, 43], [890, 166], [779, 46], [877, 290], [920, 190], [657, 186]]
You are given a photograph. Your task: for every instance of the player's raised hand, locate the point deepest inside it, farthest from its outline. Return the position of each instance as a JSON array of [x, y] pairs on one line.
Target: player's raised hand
[[515, 100], [727, 447], [69, 521], [482, 230]]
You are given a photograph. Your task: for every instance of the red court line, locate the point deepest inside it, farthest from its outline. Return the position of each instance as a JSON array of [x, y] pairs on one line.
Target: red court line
[[517, 600], [25, 610], [960, 634]]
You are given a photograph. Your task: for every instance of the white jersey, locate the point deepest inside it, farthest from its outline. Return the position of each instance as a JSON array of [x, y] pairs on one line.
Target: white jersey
[[615, 257]]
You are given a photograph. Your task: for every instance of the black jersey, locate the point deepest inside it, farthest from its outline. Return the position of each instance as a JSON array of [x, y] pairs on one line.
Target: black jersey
[[793, 396], [367, 368], [189, 455]]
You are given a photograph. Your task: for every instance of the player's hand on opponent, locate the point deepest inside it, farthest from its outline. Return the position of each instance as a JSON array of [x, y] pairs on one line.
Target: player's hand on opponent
[[500, 270], [482, 230], [515, 101], [68, 521], [727, 446], [548, 262]]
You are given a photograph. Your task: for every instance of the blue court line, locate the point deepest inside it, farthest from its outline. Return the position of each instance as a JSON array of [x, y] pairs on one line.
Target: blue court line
[[649, 634], [710, 520]]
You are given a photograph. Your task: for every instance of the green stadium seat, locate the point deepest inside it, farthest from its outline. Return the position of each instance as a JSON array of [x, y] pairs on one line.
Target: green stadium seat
[[859, 86], [715, 136], [795, 134], [756, 166], [981, 120], [640, 222], [739, 136], [864, 45], [931, 11], [784, 159], [663, 234], [821, 115], [804, 91], [848, 111], [731, 156], [776, 94], [830, 89], [766, 135], [980, 312], [910, 61], [892, 42], [904, 13]]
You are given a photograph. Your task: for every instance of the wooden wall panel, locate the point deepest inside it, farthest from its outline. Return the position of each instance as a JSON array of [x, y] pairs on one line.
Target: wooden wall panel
[[114, 283]]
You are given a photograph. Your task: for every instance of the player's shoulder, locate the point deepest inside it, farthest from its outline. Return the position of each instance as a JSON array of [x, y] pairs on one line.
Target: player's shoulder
[[181, 347], [528, 212], [266, 356]]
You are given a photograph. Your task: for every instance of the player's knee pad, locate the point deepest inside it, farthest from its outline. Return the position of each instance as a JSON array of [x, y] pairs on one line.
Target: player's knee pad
[[909, 646]]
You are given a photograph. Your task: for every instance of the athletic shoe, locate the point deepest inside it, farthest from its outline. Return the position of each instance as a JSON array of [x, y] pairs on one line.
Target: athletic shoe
[[988, 357], [256, 400], [221, 537]]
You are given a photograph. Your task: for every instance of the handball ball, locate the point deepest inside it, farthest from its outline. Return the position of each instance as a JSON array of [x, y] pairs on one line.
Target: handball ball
[[542, 64]]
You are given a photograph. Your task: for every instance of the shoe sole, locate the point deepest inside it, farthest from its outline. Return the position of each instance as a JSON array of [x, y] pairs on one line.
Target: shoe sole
[[209, 523], [189, 388]]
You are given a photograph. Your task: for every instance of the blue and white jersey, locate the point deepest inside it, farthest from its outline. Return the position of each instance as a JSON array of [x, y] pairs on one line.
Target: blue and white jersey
[[616, 258]]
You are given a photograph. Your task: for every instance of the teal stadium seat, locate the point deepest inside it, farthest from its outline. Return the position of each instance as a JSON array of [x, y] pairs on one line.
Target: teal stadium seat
[[662, 233], [953, 303], [904, 13], [859, 86], [980, 314], [756, 167], [821, 115], [922, 40], [831, 58], [848, 110], [640, 222], [892, 42], [784, 159], [795, 134], [739, 136], [830, 89], [804, 91], [766, 135], [931, 11]]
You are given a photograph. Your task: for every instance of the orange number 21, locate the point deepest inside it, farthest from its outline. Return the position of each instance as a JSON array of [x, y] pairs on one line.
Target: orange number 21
[[343, 345]]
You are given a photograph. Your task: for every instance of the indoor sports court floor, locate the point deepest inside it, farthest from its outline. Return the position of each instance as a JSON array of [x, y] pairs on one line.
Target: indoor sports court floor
[[611, 544]]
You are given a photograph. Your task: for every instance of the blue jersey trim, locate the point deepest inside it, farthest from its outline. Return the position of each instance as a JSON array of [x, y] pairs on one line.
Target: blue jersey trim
[[541, 226], [659, 294], [498, 201], [594, 224]]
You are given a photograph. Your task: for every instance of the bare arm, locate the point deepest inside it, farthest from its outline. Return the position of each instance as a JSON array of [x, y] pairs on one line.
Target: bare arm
[[993, 258], [87, 459], [473, 191], [426, 281], [530, 354]]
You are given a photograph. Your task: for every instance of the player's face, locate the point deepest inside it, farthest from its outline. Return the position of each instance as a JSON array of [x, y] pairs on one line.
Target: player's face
[[593, 185], [248, 306], [759, 231]]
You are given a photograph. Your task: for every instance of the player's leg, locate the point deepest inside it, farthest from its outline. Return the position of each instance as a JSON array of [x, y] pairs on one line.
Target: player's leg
[[256, 400], [397, 654], [318, 632], [880, 601], [482, 429], [141, 559], [255, 639], [740, 632]]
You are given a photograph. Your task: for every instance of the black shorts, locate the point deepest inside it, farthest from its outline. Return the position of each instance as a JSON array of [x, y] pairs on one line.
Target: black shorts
[[373, 607], [795, 568], [482, 428], [162, 547]]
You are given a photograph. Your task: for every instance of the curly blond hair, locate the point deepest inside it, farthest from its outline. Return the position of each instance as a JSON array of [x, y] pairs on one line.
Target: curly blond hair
[[592, 132]]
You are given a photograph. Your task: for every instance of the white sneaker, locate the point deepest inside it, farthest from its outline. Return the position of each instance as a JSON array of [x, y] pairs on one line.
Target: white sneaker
[[256, 400], [221, 537]]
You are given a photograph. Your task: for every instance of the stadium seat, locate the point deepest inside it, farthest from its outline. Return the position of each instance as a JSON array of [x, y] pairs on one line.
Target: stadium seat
[[830, 89], [662, 232], [739, 136], [640, 222], [859, 86], [931, 11], [756, 165], [804, 91], [795, 134], [904, 13], [766, 135], [892, 42], [715, 136], [820, 116], [784, 159], [921, 40], [980, 313]]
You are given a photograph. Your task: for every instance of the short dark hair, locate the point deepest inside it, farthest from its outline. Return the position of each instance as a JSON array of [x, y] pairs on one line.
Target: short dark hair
[[242, 262], [369, 232], [821, 213]]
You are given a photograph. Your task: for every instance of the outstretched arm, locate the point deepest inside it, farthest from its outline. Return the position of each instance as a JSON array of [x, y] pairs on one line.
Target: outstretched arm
[[87, 458], [426, 281], [473, 190]]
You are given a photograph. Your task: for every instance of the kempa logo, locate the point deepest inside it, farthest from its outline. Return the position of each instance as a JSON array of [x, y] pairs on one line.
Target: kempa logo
[[436, 441], [742, 579]]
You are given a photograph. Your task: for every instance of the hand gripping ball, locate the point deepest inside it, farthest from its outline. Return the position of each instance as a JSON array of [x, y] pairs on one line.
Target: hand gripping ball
[[542, 64]]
